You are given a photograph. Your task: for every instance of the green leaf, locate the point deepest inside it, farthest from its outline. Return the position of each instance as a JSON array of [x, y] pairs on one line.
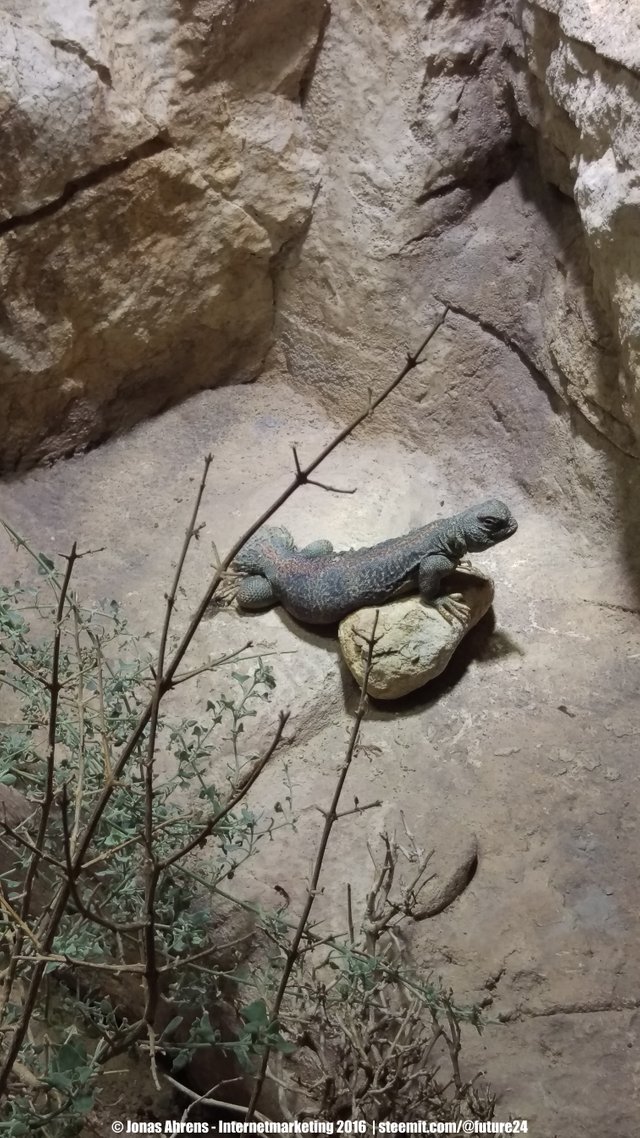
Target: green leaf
[[45, 565], [83, 1103], [279, 1043], [171, 1026], [255, 1013], [70, 1056]]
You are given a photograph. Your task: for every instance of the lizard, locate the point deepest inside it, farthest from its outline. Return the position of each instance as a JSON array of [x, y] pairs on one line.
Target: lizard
[[317, 585]]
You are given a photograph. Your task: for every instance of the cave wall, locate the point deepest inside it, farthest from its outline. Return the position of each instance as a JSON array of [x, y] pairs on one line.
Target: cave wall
[[574, 69], [155, 164], [186, 177], [437, 134]]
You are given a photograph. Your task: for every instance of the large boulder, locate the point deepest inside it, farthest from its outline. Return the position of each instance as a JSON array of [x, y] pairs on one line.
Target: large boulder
[[155, 166], [576, 82]]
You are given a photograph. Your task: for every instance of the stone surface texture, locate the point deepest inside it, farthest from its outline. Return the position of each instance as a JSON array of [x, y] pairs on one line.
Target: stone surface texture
[[576, 82], [528, 740], [155, 164], [483, 155], [413, 641]]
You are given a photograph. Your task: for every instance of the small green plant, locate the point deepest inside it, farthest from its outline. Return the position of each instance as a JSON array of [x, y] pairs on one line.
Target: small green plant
[[76, 681], [104, 888], [380, 1041]]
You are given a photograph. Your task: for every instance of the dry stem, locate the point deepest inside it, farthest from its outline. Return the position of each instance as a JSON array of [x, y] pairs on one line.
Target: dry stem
[[165, 678], [329, 822]]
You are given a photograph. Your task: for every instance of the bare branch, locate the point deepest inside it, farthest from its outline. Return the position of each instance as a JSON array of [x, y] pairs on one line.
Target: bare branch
[[45, 811], [303, 480], [71, 877], [317, 868], [152, 867], [205, 1100], [163, 684]]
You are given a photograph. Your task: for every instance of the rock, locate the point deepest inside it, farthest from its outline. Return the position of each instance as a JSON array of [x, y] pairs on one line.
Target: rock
[[414, 642], [439, 185], [155, 162], [577, 83], [128, 292], [61, 118]]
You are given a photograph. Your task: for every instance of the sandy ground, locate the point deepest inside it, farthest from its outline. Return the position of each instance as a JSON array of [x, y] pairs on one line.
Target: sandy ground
[[529, 741]]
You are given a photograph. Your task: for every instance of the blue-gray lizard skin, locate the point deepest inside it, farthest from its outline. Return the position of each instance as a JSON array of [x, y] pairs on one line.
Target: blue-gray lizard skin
[[319, 586]]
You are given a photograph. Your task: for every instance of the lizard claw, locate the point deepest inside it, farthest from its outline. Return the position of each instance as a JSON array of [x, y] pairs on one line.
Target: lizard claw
[[452, 607]]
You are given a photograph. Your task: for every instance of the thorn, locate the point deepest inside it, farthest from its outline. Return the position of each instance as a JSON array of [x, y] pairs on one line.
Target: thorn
[[332, 489], [300, 475]]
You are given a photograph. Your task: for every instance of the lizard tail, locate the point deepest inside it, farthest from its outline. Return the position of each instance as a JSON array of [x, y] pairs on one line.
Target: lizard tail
[[258, 553]]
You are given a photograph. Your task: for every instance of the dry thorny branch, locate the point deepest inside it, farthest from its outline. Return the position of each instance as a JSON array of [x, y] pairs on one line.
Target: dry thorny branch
[[75, 871], [373, 1032]]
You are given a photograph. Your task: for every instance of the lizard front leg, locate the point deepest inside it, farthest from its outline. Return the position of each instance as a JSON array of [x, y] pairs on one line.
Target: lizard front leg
[[433, 568]]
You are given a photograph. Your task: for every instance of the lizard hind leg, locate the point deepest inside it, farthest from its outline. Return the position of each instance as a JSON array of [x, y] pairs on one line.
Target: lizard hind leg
[[255, 592], [319, 548], [258, 552]]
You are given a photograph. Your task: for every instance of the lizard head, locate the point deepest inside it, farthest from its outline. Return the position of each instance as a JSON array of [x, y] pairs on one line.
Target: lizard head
[[487, 524]]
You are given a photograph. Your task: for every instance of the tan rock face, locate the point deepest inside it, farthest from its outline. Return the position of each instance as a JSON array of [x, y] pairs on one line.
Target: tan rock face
[[577, 82], [140, 285], [154, 164], [415, 113], [440, 184], [61, 118]]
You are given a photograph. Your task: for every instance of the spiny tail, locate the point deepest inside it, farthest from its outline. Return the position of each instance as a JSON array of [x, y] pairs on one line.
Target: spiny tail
[[259, 551]]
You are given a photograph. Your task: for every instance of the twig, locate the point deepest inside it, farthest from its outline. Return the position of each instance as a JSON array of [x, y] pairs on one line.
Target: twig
[[305, 481], [45, 810], [352, 937], [54, 688], [152, 866], [206, 1101], [357, 809], [66, 961], [59, 902], [17, 920], [244, 786], [185, 961], [329, 822], [184, 676], [16, 836], [81, 732], [152, 1055], [104, 735], [86, 910]]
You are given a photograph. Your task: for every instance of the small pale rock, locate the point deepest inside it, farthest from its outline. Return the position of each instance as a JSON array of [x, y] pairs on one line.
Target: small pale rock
[[414, 643]]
